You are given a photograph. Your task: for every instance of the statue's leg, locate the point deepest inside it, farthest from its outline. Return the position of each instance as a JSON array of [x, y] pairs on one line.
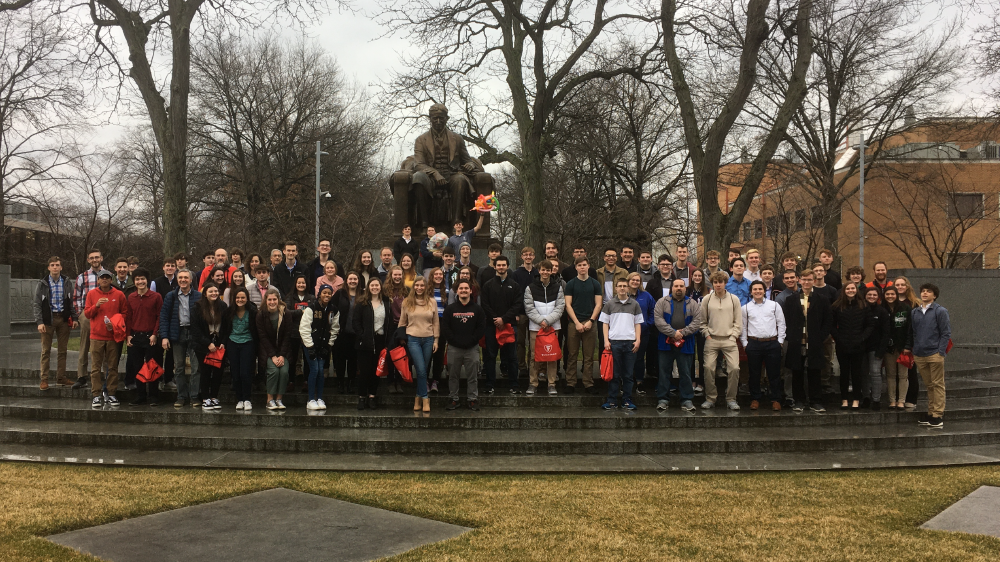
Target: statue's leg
[[462, 199], [422, 192]]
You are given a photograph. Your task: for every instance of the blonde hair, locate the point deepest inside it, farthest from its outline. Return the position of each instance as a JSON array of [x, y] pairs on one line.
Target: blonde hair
[[410, 302]]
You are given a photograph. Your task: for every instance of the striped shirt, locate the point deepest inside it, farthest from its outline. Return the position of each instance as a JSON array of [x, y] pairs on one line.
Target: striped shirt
[[440, 302], [56, 294], [84, 283], [621, 316]]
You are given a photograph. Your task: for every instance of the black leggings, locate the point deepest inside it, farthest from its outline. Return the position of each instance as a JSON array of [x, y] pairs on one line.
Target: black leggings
[[852, 365], [211, 379], [345, 356], [367, 381], [437, 364]]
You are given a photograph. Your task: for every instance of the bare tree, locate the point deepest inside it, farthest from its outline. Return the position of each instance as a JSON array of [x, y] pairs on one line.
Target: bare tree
[[712, 94], [542, 51]]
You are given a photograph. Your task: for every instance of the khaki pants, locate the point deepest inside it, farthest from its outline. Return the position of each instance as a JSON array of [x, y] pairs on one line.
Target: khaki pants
[[551, 367], [101, 352], [574, 340], [81, 366], [727, 348], [60, 329], [932, 371]]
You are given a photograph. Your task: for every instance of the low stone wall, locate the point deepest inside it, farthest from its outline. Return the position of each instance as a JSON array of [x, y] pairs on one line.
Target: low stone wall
[[970, 297], [21, 293], [5, 302]]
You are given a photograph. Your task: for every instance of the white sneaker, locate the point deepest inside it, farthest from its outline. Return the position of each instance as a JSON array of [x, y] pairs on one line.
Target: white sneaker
[[311, 405], [271, 405], [247, 406], [206, 404], [320, 405], [280, 405], [239, 405]]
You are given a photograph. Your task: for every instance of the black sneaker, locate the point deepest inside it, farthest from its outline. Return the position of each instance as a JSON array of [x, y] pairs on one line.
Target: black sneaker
[[638, 391], [137, 402], [798, 407], [489, 391], [924, 419], [569, 389], [112, 401], [935, 423], [452, 406], [97, 402], [80, 382], [514, 391], [589, 390], [818, 408], [474, 405]]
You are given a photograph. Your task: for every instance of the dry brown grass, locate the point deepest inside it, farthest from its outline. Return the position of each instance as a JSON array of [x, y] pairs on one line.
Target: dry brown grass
[[865, 515]]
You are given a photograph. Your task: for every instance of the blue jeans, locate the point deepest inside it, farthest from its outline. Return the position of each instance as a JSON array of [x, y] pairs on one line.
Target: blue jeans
[[316, 379], [187, 385], [685, 366], [420, 354], [639, 367], [508, 359], [624, 357]]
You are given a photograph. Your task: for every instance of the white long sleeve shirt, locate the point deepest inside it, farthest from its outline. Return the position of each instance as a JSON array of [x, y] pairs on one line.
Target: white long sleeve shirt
[[762, 320]]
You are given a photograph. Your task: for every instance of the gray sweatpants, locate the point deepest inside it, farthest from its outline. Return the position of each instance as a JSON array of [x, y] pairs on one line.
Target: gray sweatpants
[[466, 360], [871, 386]]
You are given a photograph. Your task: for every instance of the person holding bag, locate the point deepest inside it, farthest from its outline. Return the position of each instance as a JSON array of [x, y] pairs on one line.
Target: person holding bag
[[209, 334], [851, 327], [274, 345], [420, 318], [240, 320], [318, 330], [544, 304], [463, 324], [896, 373], [875, 346], [372, 328], [622, 320]]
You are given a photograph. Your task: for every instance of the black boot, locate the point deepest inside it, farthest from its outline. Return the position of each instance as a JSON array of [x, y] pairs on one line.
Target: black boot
[[372, 403], [361, 402]]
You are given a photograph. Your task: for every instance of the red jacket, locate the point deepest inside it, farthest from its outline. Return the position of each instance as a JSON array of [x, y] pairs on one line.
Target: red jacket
[[208, 270], [116, 305], [143, 312]]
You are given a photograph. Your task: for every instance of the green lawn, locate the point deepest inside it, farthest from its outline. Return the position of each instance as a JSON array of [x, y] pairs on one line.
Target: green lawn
[[809, 516]]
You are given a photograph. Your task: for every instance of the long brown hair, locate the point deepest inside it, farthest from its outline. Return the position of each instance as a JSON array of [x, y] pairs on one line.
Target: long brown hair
[[391, 289], [909, 296], [211, 312], [430, 281], [410, 303], [365, 297], [843, 301]]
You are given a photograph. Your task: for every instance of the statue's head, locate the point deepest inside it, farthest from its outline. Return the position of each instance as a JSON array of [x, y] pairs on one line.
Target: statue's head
[[438, 114]]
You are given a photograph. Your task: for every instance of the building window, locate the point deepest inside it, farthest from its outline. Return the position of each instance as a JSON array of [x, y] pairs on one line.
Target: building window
[[758, 226], [967, 260], [817, 220], [800, 221], [771, 225], [747, 231], [966, 206]]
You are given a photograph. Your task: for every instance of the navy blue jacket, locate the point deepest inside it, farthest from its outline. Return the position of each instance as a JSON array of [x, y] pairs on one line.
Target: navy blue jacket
[[170, 320]]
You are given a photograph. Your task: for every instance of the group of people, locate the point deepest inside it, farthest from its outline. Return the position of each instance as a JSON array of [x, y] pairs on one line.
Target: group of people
[[746, 322]]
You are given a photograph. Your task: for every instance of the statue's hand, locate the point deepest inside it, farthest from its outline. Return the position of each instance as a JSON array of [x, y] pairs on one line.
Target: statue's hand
[[469, 166], [439, 179]]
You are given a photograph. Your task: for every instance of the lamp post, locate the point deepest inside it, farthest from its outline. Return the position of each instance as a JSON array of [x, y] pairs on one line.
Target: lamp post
[[319, 154], [861, 199]]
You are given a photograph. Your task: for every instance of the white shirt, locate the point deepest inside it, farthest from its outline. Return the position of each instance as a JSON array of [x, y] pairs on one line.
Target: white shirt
[[764, 320], [752, 275]]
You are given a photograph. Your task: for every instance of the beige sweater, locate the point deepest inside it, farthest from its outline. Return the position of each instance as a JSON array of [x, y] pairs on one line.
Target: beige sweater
[[721, 318], [420, 322]]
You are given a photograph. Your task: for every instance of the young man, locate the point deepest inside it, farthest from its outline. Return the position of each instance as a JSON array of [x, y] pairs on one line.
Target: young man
[[236, 256], [284, 273], [463, 323], [832, 275], [721, 320], [524, 276], [544, 303], [752, 272], [628, 258], [762, 336], [181, 260], [488, 272], [133, 264], [123, 280], [880, 282], [53, 311], [552, 254], [821, 287], [677, 319], [682, 268], [645, 268], [808, 321], [733, 254], [207, 263], [142, 324], [385, 262], [176, 315], [163, 285], [406, 244], [712, 264], [315, 269], [429, 259], [930, 334], [570, 271], [168, 281], [449, 269], [460, 235], [258, 286], [465, 258], [789, 262], [771, 287], [85, 282], [622, 322], [502, 300], [659, 285], [738, 284], [855, 275], [608, 277], [584, 299], [102, 304]]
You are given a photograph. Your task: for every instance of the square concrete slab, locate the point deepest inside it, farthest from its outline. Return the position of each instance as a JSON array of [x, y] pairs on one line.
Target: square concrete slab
[[279, 523], [977, 513]]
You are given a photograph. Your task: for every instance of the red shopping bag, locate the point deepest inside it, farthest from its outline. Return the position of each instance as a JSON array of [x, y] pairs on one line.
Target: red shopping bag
[[950, 345], [381, 370], [505, 334], [214, 358], [402, 362], [150, 371], [678, 343], [905, 359], [547, 346], [607, 366]]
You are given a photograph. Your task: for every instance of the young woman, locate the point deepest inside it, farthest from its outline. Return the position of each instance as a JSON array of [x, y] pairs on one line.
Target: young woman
[[218, 278], [436, 288], [345, 356], [897, 379], [647, 303], [851, 328], [905, 294], [296, 301], [329, 277], [365, 266], [208, 334], [274, 345], [465, 274], [373, 328], [875, 347], [239, 280], [396, 290], [241, 326], [318, 330], [697, 289], [420, 317], [409, 270]]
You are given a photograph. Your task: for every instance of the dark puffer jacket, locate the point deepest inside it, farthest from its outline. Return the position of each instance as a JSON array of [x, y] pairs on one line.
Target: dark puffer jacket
[[851, 327], [878, 339]]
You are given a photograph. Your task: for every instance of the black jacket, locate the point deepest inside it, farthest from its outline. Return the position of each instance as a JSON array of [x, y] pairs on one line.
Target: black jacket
[[364, 327], [164, 285], [833, 279], [463, 325], [878, 340], [200, 335], [314, 271], [851, 328], [820, 321], [228, 321], [271, 342], [502, 298], [41, 306], [282, 278], [899, 326], [342, 302], [401, 247], [655, 286], [295, 305]]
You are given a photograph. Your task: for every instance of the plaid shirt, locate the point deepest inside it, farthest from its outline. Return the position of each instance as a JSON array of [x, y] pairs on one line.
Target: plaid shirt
[[55, 294], [84, 283]]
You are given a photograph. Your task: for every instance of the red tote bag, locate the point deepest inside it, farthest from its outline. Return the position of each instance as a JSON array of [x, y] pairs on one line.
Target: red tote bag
[[505, 334], [214, 358], [607, 366], [381, 370], [547, 346], [402, 362], [905, 359], [150, 371]]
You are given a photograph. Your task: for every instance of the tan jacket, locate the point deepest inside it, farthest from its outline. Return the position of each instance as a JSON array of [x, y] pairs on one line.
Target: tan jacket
[[721, 318]]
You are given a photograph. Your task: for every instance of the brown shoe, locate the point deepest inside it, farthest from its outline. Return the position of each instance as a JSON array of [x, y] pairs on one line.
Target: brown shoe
[[754, 405], [416, 404], [776, 406], [63, 381], [44, 385], [427, 404]]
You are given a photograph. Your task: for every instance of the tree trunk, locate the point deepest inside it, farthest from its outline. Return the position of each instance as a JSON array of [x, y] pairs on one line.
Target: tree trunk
[[534, 193]]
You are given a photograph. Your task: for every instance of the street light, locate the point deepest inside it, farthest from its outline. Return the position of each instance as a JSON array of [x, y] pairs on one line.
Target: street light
[[861, 201], [319, 154]]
